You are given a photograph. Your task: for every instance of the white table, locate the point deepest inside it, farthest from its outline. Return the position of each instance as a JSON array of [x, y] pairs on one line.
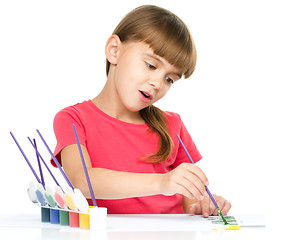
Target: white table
[[125, 227]]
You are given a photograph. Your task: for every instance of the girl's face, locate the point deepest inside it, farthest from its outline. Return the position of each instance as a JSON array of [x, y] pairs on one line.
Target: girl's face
[[142, 77]]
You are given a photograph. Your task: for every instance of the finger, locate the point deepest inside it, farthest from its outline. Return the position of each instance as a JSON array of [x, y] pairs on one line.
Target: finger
[[226, 208], [185, 169], [184, 191], [199, 173], [195, 208], [190, 187], [192, 210], [205, 206], [212, 208], [196, 185]]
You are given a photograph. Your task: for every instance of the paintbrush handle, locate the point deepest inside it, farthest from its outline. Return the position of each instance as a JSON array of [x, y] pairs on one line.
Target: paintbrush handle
[[21, 150], [39, 163], [211, 197], [186, 151], [84, 167], [45, 164], [208, 191], [55, 160], [217, 207]]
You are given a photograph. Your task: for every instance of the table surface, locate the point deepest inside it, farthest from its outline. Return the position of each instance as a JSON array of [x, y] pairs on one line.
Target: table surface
[[135, 227]]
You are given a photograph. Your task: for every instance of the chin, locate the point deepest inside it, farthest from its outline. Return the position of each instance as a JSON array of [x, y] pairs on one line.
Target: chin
[[131, 109], [137, 107]]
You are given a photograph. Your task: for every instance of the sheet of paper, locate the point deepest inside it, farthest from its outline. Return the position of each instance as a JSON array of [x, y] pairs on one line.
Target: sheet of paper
[[175, 222], [140, 222]]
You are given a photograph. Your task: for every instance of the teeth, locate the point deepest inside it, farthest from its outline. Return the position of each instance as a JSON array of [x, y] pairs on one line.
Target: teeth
[[146, 95]]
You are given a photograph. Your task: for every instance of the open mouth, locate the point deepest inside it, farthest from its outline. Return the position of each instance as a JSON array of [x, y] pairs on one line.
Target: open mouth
[[146, 95]]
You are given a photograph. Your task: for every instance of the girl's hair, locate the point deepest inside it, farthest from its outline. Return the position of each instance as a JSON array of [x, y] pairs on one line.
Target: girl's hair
[[168, 36]]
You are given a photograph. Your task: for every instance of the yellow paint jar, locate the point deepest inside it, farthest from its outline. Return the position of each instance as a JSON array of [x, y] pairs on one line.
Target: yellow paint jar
[[84, 222]]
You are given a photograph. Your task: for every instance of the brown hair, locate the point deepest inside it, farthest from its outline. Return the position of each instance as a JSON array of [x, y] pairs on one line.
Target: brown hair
[[169, 38]]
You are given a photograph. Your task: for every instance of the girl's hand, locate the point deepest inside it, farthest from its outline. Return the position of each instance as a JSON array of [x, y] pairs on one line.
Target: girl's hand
[[206, 207], [186, 179]]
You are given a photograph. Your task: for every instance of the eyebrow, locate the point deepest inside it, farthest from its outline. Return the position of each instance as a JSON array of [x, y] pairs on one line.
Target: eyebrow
[[159, 60]]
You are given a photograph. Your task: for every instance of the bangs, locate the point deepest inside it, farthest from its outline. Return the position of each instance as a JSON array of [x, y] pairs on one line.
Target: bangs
[[174, 45], [164, 32]]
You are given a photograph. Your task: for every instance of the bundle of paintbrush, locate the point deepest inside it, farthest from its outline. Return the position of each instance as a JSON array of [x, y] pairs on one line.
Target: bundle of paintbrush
[[69, 208]]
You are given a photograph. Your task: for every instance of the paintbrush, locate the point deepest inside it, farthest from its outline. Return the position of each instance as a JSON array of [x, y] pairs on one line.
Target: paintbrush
[[208, 191], [39, 155], [79, 199], [24, 155], [39, 164], [39, 191], [84, 167], [55, 160]]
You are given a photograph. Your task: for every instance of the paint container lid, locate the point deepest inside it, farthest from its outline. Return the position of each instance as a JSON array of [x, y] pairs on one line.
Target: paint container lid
[[40, 194], [98, 218], [40, 187], [59, 197], [32, 193], [80, 201], [49, 194], [69, 198]]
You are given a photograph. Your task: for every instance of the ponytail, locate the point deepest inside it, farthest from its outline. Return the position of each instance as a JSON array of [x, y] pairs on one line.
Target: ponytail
[[155, 118]]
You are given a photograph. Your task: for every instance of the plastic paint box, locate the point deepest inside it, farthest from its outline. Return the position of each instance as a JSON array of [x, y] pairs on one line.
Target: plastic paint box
[[95, 219]]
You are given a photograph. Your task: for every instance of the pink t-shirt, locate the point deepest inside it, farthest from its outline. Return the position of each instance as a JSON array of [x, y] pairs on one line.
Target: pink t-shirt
[[120, 146]]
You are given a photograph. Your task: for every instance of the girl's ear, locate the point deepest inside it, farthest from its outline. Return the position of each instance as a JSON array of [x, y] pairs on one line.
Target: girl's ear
[[112, 48]]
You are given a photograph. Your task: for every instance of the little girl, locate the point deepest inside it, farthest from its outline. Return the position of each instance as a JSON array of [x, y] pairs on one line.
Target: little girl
[[133, 156]]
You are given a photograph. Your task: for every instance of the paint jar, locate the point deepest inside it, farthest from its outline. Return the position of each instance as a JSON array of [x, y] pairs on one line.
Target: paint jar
[[45, 214], [54, 216], [98, 218], [64, 217], [73, 219], [84, 220]]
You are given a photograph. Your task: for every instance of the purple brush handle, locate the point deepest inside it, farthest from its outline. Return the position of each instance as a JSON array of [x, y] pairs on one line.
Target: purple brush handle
[[45, 164], [39, 163], [39, 181], [55, 160], [212, 198], [208, 191], [84, 167], [185, 150]]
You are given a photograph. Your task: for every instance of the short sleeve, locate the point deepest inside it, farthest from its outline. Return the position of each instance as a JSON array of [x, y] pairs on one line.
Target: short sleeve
[[190, 146], [63, 130]]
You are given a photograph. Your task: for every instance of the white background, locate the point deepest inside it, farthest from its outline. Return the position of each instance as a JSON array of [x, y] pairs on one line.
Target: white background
[[52, 56]]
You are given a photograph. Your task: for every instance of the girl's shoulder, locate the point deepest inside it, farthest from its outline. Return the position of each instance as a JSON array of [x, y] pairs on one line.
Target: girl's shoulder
[[81, 108], [172, 118], [76, 107], [76, 112]]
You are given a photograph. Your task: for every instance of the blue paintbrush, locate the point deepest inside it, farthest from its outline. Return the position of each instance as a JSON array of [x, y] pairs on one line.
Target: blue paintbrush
[[24, 155], [208, 191], [39, 155], [84, 167]]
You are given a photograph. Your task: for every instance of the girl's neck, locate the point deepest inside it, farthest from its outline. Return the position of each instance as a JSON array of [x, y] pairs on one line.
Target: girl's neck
[[108, 102]]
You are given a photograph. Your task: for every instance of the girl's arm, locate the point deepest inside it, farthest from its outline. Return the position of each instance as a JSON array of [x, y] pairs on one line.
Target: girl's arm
[[186, 179]]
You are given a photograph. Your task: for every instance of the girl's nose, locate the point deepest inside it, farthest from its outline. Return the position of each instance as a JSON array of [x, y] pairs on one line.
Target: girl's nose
[[156, 83]]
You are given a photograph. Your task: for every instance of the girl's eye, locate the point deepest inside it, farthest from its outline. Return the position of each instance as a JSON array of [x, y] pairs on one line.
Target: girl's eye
[[150, 66], [169, 80]]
